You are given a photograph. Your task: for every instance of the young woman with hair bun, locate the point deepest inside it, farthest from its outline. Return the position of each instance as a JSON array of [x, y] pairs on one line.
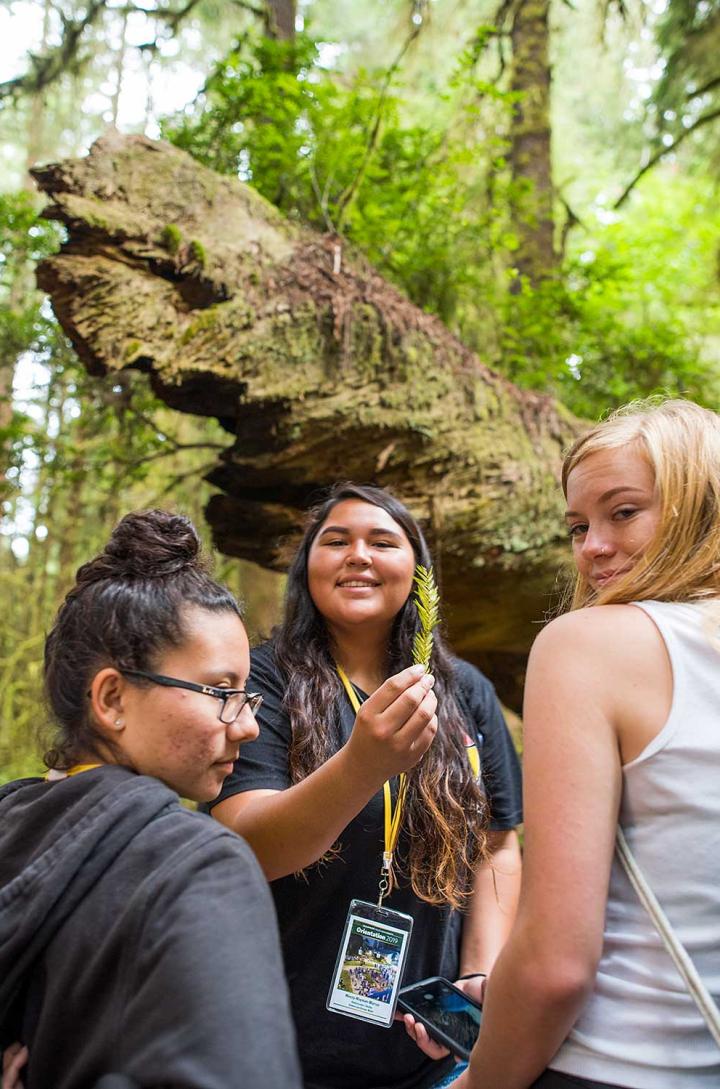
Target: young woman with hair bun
[[308, 793], [138, 944], [621, 727]]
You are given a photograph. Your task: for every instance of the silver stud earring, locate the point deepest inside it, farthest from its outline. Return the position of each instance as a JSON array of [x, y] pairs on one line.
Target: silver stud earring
[[118, 722]]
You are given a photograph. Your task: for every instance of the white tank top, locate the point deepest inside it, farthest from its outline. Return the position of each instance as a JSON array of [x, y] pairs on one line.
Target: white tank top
[[640, 1028]]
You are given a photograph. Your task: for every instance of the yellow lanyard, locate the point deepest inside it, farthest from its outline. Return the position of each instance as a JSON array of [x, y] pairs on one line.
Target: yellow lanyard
[[76, 769], [393, 817]]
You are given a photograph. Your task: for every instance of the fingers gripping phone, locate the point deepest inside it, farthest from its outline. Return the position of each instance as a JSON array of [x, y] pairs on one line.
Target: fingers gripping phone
[[447, 1013]]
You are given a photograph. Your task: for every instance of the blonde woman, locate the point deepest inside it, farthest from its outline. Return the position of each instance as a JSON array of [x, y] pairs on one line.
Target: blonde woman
[[622, 723]]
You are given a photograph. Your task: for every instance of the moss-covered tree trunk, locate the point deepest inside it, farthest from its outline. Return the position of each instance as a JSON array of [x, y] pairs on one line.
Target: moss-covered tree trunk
[[530, 140], [320, 371]]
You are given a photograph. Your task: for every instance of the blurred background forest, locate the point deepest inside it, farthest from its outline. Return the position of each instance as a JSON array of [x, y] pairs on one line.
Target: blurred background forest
[[542, 174]]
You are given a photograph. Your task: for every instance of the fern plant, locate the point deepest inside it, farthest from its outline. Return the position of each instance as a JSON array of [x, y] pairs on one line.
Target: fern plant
[[427, 603]]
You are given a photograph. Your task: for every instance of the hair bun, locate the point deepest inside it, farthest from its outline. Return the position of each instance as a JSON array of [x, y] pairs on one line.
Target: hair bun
[[145, 545], [152, 543]]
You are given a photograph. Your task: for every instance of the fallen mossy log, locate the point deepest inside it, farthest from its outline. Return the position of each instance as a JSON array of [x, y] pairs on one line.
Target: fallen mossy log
[[322, 371]]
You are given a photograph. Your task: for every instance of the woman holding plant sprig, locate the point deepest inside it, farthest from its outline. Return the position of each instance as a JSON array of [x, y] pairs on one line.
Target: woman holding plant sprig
[[308, 794]]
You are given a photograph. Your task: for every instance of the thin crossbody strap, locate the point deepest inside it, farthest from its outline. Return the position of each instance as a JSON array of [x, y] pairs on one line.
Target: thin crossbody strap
[[680, 956]]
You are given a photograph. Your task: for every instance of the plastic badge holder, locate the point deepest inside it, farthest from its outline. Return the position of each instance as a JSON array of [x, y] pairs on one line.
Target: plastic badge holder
[[370, 962]]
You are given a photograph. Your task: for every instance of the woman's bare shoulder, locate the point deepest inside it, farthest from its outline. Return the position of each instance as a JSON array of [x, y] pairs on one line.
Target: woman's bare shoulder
[[606, 633]]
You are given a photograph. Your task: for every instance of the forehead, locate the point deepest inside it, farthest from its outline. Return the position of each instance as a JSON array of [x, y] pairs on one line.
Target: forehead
[[213, 635], [357, 516], [605, 470]]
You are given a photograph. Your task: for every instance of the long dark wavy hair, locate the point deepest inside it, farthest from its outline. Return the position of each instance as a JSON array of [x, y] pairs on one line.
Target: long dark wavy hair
[[445, 812]]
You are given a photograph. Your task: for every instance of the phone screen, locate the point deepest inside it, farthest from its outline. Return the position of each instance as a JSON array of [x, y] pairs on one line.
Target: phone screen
[[446, 1009]]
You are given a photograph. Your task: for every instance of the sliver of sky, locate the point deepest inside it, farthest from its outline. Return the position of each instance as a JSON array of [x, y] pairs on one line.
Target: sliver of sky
[[149, 89]]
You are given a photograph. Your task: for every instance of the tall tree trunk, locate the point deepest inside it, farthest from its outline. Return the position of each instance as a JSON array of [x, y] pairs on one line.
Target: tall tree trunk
[[280, 19], [319, 373], [530, 141], [7, 374]]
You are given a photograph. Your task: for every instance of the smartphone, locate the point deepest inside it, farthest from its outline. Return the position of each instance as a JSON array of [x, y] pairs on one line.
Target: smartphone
[[447, 1013], [370, 962]]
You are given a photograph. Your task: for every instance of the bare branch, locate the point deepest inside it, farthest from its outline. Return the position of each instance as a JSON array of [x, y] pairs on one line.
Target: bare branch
[[173, 17], [180, 479], [160, 455], [572, 219], [709, 86], [321, 198], [259, 13], [705, 119], [172, 20], [66, 57], [500, 20], [349, 195], [45, 69]]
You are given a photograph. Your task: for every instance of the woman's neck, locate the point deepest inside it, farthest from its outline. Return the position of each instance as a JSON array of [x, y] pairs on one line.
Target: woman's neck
[[363, 658]]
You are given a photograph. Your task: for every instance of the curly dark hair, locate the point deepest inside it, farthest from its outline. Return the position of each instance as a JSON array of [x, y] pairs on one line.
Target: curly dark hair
[[125, 608], [445, 812]]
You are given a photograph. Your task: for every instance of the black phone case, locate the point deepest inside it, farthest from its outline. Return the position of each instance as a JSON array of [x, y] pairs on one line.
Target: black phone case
[[437, 1034]]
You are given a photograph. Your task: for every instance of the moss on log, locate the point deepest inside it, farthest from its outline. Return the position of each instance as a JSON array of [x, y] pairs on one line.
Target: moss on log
[[321, 370]]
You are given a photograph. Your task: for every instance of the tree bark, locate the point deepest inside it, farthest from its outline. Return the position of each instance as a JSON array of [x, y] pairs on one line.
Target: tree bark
[[7, 374], [280, 20], [321, 371], [530, 141]]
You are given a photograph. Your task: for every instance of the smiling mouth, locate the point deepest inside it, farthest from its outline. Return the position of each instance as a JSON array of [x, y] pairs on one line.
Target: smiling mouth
[[607, 576], [360, 584]]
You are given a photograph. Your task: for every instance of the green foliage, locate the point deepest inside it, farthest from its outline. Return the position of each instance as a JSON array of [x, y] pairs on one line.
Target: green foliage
[[348, 155], [427, 603], [427, 198], [248, 122], [688, 35], [24, 235], [25, 324], [637, 310]]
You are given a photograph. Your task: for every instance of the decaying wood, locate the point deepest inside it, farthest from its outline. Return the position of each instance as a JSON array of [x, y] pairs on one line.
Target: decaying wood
[[321, 370]]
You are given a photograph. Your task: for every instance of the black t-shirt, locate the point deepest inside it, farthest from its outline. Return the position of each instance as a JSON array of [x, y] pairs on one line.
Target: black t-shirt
[[339, 1052]]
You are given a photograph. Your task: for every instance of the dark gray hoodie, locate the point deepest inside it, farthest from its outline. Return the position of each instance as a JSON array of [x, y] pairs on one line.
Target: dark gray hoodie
[[136, 938]]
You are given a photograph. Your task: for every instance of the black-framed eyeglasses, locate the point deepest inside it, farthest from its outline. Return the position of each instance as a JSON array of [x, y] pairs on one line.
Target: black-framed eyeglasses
[[232, 700]]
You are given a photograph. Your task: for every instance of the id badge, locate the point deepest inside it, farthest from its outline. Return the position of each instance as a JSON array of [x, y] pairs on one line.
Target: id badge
[[370, 962]]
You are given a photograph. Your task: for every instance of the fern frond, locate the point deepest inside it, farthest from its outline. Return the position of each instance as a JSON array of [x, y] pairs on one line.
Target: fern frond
[[427, 603]]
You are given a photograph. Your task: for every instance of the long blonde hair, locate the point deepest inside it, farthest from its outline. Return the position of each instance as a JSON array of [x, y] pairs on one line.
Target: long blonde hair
[[681, 443]]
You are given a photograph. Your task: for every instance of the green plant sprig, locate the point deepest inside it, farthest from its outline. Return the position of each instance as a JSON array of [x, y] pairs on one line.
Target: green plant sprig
[[427, 603]]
